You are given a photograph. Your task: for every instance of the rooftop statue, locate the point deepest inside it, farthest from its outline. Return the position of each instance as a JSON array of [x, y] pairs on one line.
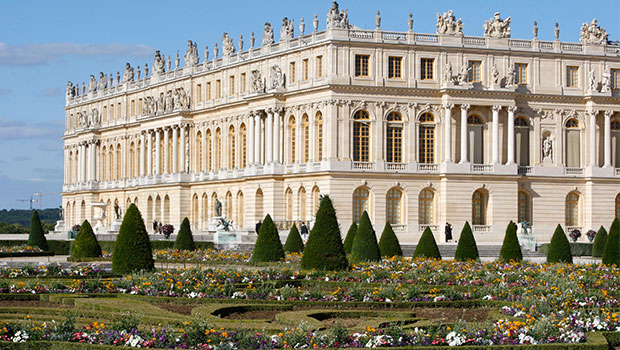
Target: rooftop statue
[[158, 64], [268, 34], [128, 75], [287, 30], [103, 81], [447, 24], [592, 33], [191, 54], [92, 84], [336, 18], [227, 45], [496, 27], [70, 89]]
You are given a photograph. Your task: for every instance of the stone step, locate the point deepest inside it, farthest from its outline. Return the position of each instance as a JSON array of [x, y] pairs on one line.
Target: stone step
[[484, 250]]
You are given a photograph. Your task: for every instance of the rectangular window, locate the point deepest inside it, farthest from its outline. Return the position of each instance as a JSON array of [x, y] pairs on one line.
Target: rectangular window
[[521, 70], [394, 67], [231, 85], [292, 73], [426, 68], [218, 88], [118, 110], [199, 93], [208, 91], [319, 66], [361, 65], [242, 88], [105, 113], [615, 78], [306, 69], [111, 112], [475, 75], [133, 107], [572, 76]]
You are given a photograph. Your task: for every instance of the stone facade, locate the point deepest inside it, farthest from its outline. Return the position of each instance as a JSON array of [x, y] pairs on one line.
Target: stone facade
[[419, 129]]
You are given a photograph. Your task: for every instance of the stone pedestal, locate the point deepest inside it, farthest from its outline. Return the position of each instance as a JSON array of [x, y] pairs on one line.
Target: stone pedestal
[[226, 240], [60, 226], [528, 242], [115, 226], [213, 223]]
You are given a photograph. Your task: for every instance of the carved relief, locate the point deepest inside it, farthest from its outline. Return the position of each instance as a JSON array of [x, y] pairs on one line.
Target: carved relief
[[276, 77], [592, 33], [257, 83]]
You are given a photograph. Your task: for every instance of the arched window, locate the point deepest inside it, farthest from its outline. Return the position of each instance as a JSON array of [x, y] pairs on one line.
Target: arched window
[[301, 195], [522, 141], [118, 161], [425, 207], [244, 145], [209, 151], [572, 209], [427, 139], [228, 206], [319, 136], [360, 203], [132, 160], [198, 168], [394, 141], [573, 143], [157, 210], [479, 208], [218, 148], [306, 137], [316, 197], [111, 153], [618, 206], [615, 143], [258, 205], [231, 148], [523, 203], [195, 212], [149, 212], [205, 207], [361, 137], [393, 208], [291, 140], [476, 139], [70, 170], [166, 213], [288, 197], [240, 217], [213, 204]]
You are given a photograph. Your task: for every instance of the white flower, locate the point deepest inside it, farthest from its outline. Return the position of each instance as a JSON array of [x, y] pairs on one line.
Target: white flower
[[487, 297], [455, 339], [134, 341], [20, 337]]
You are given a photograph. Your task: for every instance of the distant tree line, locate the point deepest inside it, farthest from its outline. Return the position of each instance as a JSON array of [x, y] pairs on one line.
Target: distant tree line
[[18, 220]]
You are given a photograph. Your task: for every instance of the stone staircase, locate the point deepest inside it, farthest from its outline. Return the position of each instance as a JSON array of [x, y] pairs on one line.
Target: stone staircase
[[484, 250]]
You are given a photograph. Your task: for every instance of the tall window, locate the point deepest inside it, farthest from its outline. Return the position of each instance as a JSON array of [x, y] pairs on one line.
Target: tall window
[[316, 196], [198, 152], [231, 85], [208, 91], [615, 78], [244, 145], [258, 204], [288, 196], [615, 143], [521, 77], [292, 73], [119, 167], [218, 149], [427, 139], [573, 148], [232, 163], [360, 203], [394, 142], [228, 202], [132, 160], [522, 141], [291, 139], [361, 136], [319, 136], [242, 86], [199, 93], [301, 195], [425, 207], [572, 76], [394, 67], [475, 71], [306, 69], [476, 139], [618, 206], [218, 88], [361, 65], [393, 208], [209, 150], [306, 136], [523, 207], [426, 69], [479, 208], [572, 209], [319, 66], [240, 210]]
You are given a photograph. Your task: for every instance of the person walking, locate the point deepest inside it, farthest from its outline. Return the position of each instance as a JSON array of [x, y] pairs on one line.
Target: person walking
[[258, 225], [154, 226], [160, 228], [304, 232], [448, 232]]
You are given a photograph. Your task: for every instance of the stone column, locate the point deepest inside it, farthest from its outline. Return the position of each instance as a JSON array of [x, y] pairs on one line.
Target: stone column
[[592, 137], [495, 149], [312, 138], [204, 151], [257, 143], [142, 173], [91, 161], [608, 115], [276, 136], [269, 137], [448, 132], [166, 150], [149, 162], [511, 134], [175, 149], [181, 168], [82, 161], [250, 136], [464, 145], [157, 152]]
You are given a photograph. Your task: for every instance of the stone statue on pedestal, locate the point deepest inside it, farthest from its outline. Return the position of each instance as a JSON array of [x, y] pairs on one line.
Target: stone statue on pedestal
[[218, 207], [128, 74], [158, 64], [336, 18], [447, 24], [191, 54], [287, 30], [268, 34], [227, 45], [496, 27], [592, 33]]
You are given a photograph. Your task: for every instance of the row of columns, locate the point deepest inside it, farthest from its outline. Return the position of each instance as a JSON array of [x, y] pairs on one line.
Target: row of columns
[[606, 136], [148, 137], [272, 125], [85, 165]]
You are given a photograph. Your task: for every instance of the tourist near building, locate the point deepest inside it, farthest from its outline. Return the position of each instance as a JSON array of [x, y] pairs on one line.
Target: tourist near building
[[417, 129]]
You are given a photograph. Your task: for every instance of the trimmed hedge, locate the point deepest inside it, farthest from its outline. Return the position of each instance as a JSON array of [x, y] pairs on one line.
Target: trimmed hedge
[[611, 255], [511, 250], [576, 248], [185, 240], [388, 244], [132, 251], [85, 244], [559, 248], [294, 243], [268, 246], [36, 238], [598, 248], [64, 247], [324, 249], [466, 249], [365, 246], [427, 246], [348, 241]]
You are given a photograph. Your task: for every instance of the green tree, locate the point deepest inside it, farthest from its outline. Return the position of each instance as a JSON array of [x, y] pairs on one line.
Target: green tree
[[185, 239], [268, 246], [365, 246], [132, 250], [611, 255], [388, 244], [85, 244], [324, 249], [36, 238], [427, 246], [598, 247], [559, 248], [348, 241], [466, 249], [294, 243], [511, 250]]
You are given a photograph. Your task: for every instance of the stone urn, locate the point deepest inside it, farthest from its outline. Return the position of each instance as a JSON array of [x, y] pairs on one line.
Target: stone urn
[[98, 216]]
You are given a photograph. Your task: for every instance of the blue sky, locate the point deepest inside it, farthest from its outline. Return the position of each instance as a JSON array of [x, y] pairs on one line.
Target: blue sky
[[43, 44]]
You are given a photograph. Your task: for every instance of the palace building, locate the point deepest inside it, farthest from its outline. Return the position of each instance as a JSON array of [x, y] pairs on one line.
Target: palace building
[[417, 129]]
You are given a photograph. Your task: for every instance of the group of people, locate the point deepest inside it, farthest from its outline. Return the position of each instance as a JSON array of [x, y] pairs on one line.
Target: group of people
[[303, 229], [158, 228]]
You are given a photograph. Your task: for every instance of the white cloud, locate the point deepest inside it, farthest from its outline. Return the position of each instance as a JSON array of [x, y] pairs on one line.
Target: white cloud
[[15, 130], [36, 54]]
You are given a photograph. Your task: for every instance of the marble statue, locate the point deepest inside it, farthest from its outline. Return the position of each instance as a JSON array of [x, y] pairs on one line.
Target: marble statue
[[315, 22], [128, 74], [160, 105], [535, 30], [592, 33], [556, 31], [496, 27], [216, 51], [286, 32], [256, 82], [168, 106], [191, 54], [145, 106], [206, 54], [240, 44], [218, 207], [448, 72], [92, 84], [464, 74], [61, 212], [111, 83], [138, 72], [336, 18], [227, 45], [103, 81], [447, 24], [177, 61], [83, 88], [378, 20], [176, 102], [268, 34], [276, 77], [70, 92], [605, 82], [252, 39], [158, 64], [117, 211], [548, 148], [592, 80], [410, 22], [510, 77], [184, 98], [302, 27], [146, 70], [168, 63], [495, 73]]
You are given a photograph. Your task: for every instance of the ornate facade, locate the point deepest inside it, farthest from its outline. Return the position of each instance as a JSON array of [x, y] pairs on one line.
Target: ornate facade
[[417, 129]]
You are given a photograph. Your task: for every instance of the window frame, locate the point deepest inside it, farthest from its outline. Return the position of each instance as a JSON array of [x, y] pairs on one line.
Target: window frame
[[572, 76], [521, 75], [362, 65], [427, 64], [475, 72], [395, 67]]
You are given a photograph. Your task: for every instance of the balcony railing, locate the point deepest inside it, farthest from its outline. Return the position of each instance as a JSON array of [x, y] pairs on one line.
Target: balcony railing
[[481, 168], [394, 36], [395, 166], [617, 172], [470, 40], [423, 227], [427, 38], [362, 165], [571, 47], [428, 167], [482, 228], [573, 171], [521, 43], [545, 45], [399, 227], [524, 170]]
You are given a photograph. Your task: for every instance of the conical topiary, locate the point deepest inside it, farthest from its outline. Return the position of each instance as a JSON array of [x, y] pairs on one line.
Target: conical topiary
[[511, 250], [132, 250], [559, 249], [85, 244], [466, 249], [598, 247], [185, 239], [365, 246], [427, 246], [294, 243], [388, 244], [324, 249], [348, 241], [611, 255], [268, 246], [36, 238]]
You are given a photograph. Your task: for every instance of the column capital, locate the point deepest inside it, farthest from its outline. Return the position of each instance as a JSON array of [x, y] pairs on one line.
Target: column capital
[[608, 114], [465, 107], [592, 113], [512, 109], [496, 108], [448, 105]]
